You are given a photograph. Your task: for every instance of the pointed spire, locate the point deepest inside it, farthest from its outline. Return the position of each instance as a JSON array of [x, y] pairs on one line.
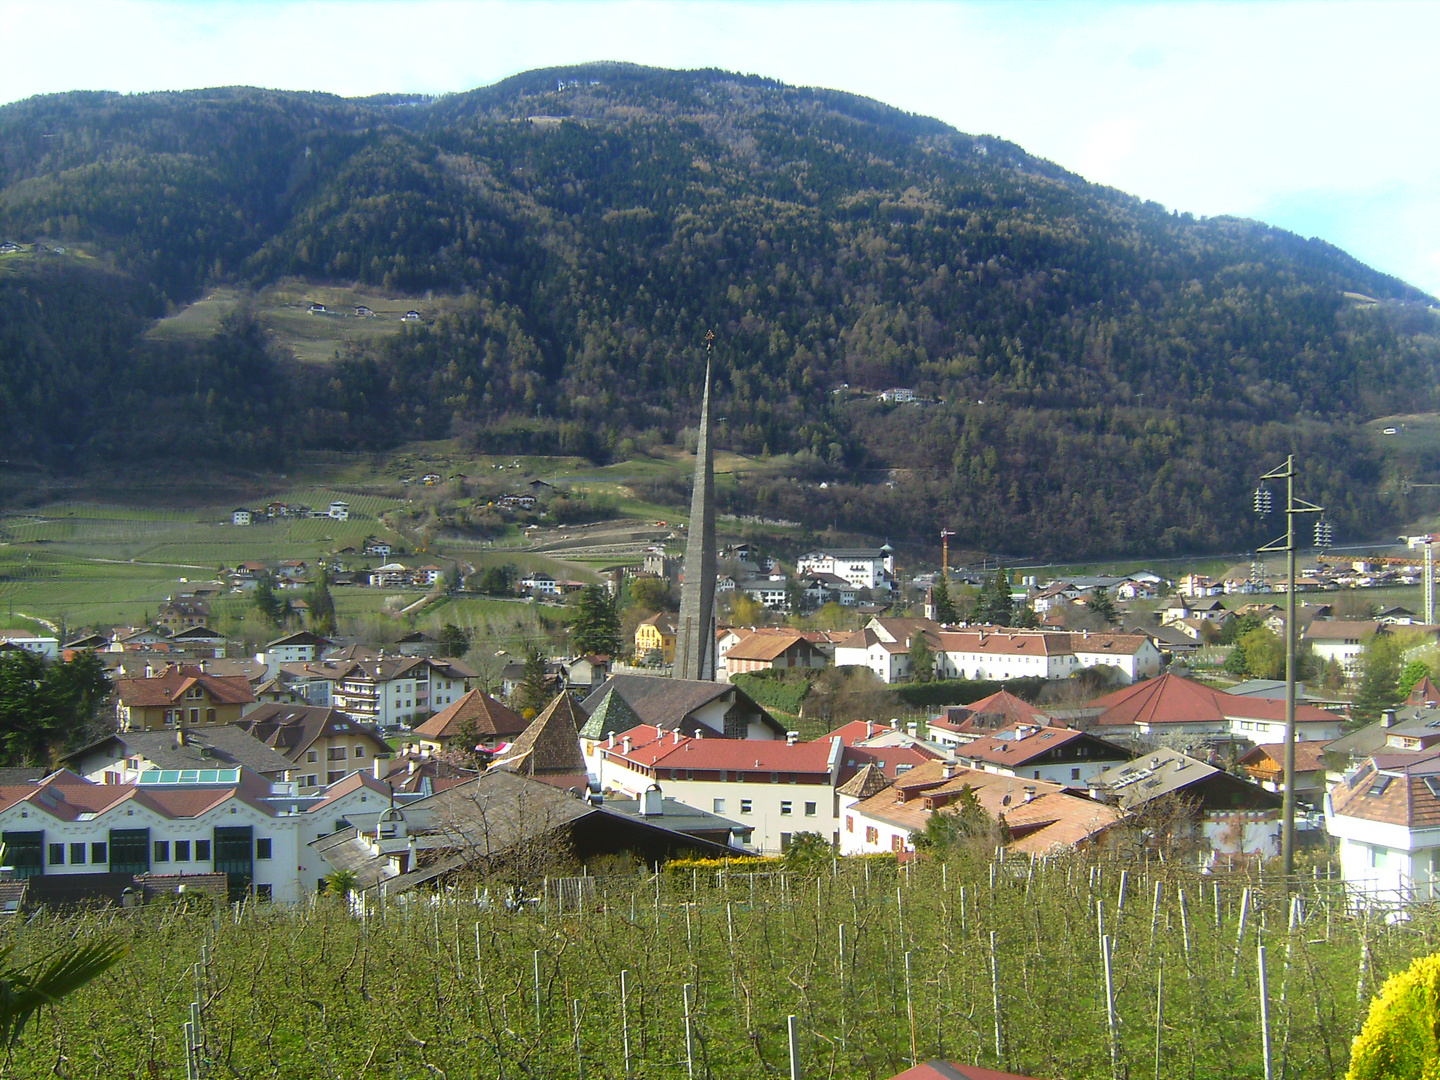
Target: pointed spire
[[695, 632], [551, 744]]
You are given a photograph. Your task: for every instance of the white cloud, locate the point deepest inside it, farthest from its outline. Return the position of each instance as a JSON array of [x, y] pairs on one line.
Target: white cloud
[[1313, 115]]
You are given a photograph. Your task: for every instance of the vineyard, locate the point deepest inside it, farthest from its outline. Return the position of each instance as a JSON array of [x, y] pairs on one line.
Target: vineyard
[[1049, 968]]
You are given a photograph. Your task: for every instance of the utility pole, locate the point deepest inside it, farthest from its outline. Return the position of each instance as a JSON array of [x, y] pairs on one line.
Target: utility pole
[[1286, 543]]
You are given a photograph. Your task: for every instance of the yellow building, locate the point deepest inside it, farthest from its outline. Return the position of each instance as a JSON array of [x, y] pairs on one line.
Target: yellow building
[[180, 696], [656, 632]]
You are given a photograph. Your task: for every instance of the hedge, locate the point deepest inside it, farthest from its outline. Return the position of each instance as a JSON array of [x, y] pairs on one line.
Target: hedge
[[964, 691], [772, 693], [1398, 1041]]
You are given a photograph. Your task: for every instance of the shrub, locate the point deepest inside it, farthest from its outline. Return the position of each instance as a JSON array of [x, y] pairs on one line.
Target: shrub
[[963, 691], [1398, 1041]]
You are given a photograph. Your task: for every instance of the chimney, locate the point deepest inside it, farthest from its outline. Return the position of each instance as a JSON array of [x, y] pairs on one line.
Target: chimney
[[913, 727], [1029, 792], [201, 665], [410, 767], [652, 802], [676, 733], [1387, 718], [869, 729], [149, 672], [699, 733], [791, 737], [625, 745], [610, 743], [949, 770], [179, 736], [894, 723], [379, 767]]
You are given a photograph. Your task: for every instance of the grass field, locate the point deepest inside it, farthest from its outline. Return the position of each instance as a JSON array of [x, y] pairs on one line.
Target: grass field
[[1000, 965]]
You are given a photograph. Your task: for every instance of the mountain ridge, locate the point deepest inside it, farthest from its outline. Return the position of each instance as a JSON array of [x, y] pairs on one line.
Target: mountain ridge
[[828, 239]]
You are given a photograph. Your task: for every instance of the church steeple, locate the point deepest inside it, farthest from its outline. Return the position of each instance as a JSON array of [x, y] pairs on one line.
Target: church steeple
[[695, 634]]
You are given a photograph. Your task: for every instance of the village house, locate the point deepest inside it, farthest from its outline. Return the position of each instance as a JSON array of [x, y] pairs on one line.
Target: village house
[[240, 516], [177, 613], [864, 568], [1386, 816], [393, 690], [1266, 766], [339, 510], [1039, 817], [199, 643], [39, 644], [1131, 656], [1057, 754], [771, 652], [1342, 640], [180, 696], [999, 655], [298, 648], [323, 745], [1226, 814], [656, 634], [539, 583], [122, 757], [690, 706], [1185, 714], [490, 724], [960, 724]]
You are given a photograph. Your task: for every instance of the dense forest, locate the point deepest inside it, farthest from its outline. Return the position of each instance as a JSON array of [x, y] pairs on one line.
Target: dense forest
[[1096, 373]]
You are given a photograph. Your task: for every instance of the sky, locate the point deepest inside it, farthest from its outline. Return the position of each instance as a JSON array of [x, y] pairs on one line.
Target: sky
[[1316, 117]]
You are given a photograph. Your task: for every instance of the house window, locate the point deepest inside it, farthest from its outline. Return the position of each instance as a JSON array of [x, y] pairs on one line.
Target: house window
[[1074, 774], [745, 806], [262, 847], [897, 842], [162, 851], [784, 841], [202, 850], [57, 854], [312, 755], [809, 809], [312, 780], [774, 778], [335, 753], [872, 834], [359, 751], [719, 806], [1377, 857], [849, 823], [98, 852], [182, 850], [210, 716], [264, 892], [194, 716], [787, 808], [77, 854], [335, 777]]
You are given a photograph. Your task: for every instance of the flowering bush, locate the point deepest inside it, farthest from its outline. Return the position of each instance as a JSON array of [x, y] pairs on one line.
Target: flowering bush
[[1398, 1041]]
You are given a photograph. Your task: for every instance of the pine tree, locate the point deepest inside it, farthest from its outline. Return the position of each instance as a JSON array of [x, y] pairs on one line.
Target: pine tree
[[941, 601], [322, 606], [996, 605], [1379, 678], [596, 626], [922, 660], [267, 603], [1104, 605], [533, 693]]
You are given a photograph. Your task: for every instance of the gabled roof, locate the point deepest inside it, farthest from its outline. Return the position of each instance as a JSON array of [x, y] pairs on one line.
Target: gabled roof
[[1162, 772], [611, 715], [291, 729], [1005, 643], [1423, 691], [1309, 756], [303, 637], [1341, 629], [1001, 709], [169, 687], [1109, 644], [668, 703], [214, 747], [765, 647], [1024, 743], [550, 746], [478, 708]]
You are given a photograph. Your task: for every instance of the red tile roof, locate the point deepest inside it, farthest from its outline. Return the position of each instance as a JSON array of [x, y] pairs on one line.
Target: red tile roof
[[1171, 699], [170, 686], [488, 715]]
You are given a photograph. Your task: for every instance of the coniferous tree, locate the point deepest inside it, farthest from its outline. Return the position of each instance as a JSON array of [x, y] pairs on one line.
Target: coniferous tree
[[270, 606], [1379, 678], [596, 626], [922, 660], [942, 602], [322, 605], [533, 693], [1103, 604]]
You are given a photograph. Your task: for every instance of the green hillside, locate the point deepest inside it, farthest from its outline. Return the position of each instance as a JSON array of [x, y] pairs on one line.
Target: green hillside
[[1097, 374]]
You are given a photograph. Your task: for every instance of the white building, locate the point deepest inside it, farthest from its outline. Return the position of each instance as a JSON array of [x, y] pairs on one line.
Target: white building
[[1133, 655], [540, 582], [1001, 655], [865, 568], [1387, 821], [48, 647], [298, 648], [1341, 640], [340, 511], [1058, 755], [240, 517]]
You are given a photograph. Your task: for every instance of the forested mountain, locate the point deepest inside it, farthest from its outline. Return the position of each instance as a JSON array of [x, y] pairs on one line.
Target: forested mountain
[[1100, 374]]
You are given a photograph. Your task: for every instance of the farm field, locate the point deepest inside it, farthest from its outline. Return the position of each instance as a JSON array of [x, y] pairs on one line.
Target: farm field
[[694, 972]]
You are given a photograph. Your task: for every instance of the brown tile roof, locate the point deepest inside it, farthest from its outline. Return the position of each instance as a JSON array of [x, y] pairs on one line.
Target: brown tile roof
[[170, 686], [1398, 792], [1309, 756], [764, 647], [1339, 629], [1114, 644], [865, 783], [1005, 643], [550, 746], [291, 729], [477, 707], [1001, 709], [1423, 691], [1005, 748]]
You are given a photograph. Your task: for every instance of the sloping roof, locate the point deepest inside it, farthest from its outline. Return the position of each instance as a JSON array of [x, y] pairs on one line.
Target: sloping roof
[[1395, 793], [217, 747], [170, 686], [1340, 629], [1108, 644], [1000, 709], [1309, 756], [291, 729], [550, 746], [489, 717], [1171, 699], [1018, 746], [611, 715], [865, 783], [764, 647], [660, 701], [302, 637], [1423, 691], [1005, 643]]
